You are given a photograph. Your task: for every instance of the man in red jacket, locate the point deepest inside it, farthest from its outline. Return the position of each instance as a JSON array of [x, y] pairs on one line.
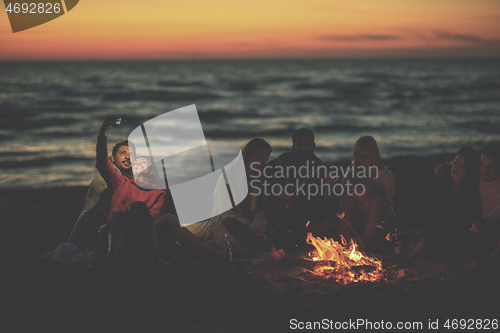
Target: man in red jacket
[[125, 190], [130, 231]]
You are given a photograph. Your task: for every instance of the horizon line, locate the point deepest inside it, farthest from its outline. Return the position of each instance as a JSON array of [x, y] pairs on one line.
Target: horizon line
[[253, 59]]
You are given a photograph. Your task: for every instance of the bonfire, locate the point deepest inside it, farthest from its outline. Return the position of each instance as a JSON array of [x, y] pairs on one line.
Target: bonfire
[[342, 262]]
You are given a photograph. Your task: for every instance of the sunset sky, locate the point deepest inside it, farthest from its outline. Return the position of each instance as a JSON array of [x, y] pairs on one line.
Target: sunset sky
[[196, 29]]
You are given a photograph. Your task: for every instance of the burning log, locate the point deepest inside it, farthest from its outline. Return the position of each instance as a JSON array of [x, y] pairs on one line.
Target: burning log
[[343, 263]]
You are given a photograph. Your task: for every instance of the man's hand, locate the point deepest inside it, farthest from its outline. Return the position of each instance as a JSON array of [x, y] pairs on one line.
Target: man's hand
[[105, 124], [260, 227]]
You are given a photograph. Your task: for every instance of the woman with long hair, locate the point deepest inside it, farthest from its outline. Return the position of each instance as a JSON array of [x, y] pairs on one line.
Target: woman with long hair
[[370, 199], [449, 204], [145, 173]]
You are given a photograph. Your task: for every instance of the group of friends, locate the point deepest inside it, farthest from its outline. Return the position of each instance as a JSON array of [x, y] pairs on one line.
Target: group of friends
[[127, 224]]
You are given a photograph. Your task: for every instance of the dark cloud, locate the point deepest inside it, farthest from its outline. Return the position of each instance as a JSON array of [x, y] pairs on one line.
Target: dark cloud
[[444, 35], [434, 36], [193, 54], [358, 38], [176, 54]]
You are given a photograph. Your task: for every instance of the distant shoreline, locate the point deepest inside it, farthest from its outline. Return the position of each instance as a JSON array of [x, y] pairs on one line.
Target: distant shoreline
[[104, 60]]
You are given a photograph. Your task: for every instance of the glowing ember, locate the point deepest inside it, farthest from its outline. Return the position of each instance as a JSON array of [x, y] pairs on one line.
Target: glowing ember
[[344, 264]]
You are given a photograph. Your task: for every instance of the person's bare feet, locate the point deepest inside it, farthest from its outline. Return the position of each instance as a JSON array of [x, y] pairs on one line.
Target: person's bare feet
[[273, 255]]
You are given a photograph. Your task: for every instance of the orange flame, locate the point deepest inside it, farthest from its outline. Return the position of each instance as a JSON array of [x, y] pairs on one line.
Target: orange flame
[[345, 264]]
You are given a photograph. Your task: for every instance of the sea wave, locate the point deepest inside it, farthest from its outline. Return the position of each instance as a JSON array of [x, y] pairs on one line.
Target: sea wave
[[41, 162], [156, 95]]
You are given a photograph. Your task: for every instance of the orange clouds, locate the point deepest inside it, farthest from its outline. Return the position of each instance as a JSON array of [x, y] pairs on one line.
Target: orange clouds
[[153, 29]]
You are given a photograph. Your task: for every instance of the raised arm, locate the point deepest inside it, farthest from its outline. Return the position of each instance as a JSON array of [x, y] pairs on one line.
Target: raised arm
[[103, 164]]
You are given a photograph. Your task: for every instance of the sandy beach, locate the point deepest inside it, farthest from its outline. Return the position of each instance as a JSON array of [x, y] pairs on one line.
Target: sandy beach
[[243, 297]]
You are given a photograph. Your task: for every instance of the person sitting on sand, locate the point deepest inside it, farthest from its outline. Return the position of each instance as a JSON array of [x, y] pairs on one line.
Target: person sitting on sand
[[133, 209], [290, 211], [247, 220], [489, 189], [96, 207], [449, 204], [371, 200]]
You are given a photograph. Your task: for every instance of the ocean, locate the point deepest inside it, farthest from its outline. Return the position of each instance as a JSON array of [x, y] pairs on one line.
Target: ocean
[[50, 112]]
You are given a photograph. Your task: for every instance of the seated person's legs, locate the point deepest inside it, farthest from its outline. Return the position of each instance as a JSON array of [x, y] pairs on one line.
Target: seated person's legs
[[169, 230], [218, 234], [112, 237], [288, 229], [245, 236], [215, 231], [143, 224]]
